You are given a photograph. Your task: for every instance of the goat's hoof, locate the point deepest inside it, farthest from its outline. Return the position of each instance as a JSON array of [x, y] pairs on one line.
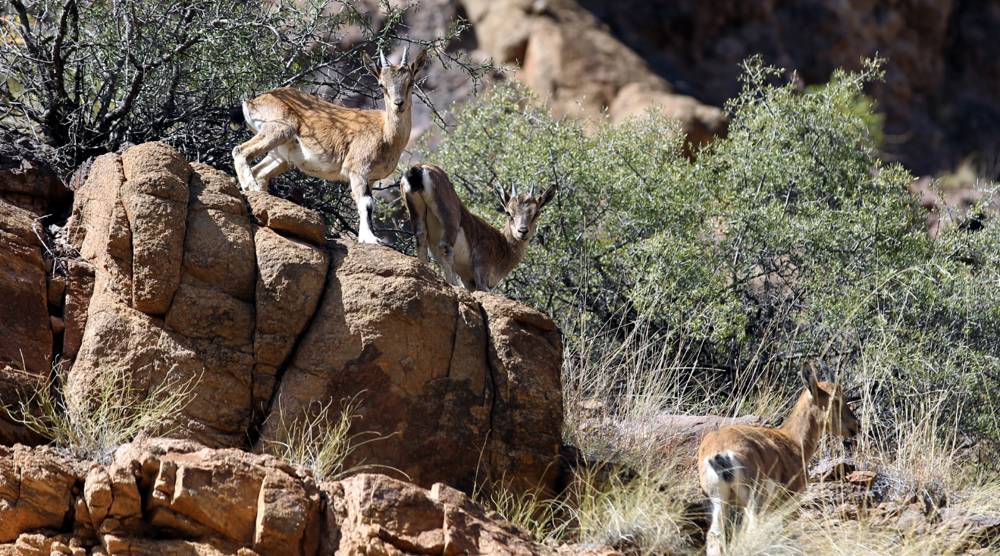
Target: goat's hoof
[[370, 238]]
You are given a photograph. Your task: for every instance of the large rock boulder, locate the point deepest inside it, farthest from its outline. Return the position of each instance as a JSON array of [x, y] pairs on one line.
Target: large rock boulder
[[25, 336], [570, 59], [36, 490], [164, 496], [167, 305], [25, 333], [245, 297]]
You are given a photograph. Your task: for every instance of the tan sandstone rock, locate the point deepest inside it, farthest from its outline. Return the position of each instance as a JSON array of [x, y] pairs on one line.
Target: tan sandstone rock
[[155, 198], [25, 331], [162, 496], [572, 61], [287, 217], [451, 400], [268, 317], [25, 339], [699, 122], [206, 334], [291, 276], [36, 490]]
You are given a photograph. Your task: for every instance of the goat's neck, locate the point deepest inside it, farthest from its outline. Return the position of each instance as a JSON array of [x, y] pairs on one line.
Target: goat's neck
[[803, 427], [514, 253], [396, 129]]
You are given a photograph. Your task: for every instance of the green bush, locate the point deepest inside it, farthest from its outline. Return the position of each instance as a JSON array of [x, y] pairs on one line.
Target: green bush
[[788, 240]]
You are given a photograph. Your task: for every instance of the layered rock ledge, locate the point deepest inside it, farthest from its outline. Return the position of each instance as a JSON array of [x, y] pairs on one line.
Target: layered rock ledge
[[163, 496]]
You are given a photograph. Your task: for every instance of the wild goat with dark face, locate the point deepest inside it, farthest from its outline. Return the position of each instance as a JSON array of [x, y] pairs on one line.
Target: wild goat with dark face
[[329, 141], [472, 253]]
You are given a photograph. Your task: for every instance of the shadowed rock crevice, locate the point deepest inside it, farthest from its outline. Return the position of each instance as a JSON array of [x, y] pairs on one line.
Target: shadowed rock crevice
[[292, 265], [489, 356]]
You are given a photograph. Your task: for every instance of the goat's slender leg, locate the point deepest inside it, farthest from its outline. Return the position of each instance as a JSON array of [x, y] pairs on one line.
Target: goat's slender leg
[[716, 537], [750, 513], [418, 221], [366, 205], [268, 168], [446, 256], [482, 281], [269, 137], [449, 235]]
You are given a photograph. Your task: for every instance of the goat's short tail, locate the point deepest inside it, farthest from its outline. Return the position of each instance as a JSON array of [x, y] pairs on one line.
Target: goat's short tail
[[415, 179], [236, 116], [723, 466]]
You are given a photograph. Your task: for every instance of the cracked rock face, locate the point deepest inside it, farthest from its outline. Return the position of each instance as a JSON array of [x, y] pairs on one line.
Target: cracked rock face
[[193, 281], [162, 496]]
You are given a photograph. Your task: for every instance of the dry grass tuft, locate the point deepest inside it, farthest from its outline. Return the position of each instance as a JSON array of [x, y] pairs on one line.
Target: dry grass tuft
[[321, 441], [111, 413]]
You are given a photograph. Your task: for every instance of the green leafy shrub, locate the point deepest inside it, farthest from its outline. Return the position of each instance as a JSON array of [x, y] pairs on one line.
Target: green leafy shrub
[[788, 240]]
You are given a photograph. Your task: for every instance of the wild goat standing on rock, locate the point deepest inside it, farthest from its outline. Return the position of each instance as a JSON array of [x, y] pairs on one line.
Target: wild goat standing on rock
[[471, 252], [746, 467], [330, 141]]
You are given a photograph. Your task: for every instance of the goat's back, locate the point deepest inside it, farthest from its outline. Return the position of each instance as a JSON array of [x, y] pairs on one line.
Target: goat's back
[[761, 453], [320, 126]]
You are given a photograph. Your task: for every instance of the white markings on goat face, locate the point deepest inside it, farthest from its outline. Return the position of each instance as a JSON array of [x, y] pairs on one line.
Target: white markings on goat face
[[523, 212], [397, 81]]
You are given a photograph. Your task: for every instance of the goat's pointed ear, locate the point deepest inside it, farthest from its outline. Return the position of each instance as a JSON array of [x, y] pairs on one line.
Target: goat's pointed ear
[[419, 61], [369, 65], [809, 380], [549, 194]]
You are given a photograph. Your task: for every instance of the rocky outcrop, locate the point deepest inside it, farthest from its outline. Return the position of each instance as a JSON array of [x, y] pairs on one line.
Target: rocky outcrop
[[25, 336], [194, 282], [172, 497], [466, 386], [939, 93], [684, 57], [884, 498], [167, 305], [571, 60], [25, 326], [36, 490], [558, 49]]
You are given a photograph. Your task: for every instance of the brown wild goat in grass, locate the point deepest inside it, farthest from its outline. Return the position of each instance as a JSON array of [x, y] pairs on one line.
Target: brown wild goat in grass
[[329, 141], [472, 253], [743, 466]]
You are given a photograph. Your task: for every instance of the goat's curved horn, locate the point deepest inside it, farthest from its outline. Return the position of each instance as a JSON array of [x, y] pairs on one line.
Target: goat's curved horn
[[406, 50], [381, 58], [513, 190], [531, 192]]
